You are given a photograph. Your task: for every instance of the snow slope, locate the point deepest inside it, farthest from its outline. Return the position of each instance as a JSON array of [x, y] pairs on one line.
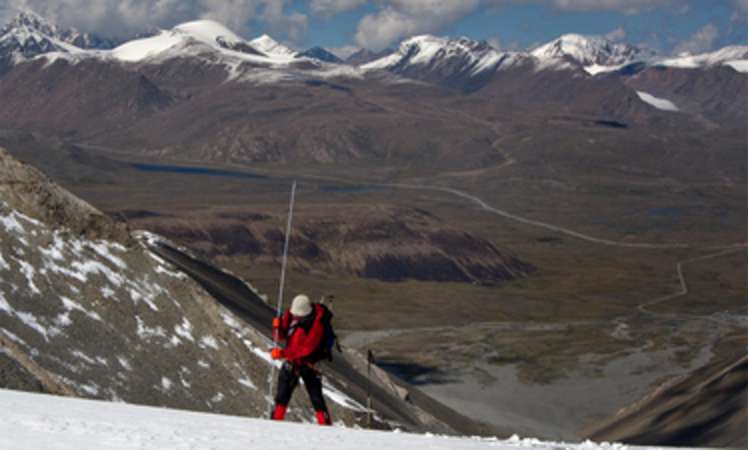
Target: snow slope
[[271, 47], [141, 49], [35, 421], [211, 34]]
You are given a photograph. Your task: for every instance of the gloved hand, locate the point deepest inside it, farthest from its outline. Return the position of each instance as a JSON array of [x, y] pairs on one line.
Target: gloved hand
[[276, 353]]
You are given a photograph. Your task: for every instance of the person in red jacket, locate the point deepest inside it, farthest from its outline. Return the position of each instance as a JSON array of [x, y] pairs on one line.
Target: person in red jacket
[[302, 330]]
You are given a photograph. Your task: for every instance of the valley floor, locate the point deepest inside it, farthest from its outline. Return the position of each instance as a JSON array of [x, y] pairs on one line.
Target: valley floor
[[34, 421]]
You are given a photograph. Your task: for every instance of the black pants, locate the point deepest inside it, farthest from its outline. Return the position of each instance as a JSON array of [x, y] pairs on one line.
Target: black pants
[[288, 379]]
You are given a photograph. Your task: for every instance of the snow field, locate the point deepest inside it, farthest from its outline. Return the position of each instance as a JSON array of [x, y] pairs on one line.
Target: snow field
[[36, 421]]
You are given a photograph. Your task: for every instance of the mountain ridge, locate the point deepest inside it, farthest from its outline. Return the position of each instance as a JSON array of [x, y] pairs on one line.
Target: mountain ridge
[[463, 56]]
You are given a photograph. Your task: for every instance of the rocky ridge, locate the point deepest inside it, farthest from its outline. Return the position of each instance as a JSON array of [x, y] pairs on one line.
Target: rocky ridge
[[88, 311]]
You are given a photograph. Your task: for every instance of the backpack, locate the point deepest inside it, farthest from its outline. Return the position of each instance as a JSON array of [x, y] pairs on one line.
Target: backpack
[[329, 338]]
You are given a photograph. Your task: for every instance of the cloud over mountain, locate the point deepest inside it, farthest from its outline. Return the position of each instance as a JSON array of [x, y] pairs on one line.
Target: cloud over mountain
[[123, 18], [332, 7], [398, 19], [701, 41], [404, 18]]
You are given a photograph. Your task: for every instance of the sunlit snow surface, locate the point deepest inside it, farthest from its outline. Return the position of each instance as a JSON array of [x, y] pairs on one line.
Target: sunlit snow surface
[[141, 49], [659, 103], [270, 47], [595, 69], [35, 421]]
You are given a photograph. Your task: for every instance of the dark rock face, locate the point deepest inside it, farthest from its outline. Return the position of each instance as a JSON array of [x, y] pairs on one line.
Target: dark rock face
[[320, 54], [14, 376], [364, 56]]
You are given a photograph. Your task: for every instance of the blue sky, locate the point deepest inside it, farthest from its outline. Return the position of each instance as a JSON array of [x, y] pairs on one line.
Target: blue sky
[[674, 26], [667, 26]]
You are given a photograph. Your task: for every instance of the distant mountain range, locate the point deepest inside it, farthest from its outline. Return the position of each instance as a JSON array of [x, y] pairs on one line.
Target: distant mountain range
[[94, 90], [28, 35]]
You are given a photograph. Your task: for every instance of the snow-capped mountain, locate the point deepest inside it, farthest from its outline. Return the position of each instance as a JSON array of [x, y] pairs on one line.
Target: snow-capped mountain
[[186, 39], [29, 35], [595, 54], [735, 56], [201, 42], [271, 47], [449, 61], [31, 22]]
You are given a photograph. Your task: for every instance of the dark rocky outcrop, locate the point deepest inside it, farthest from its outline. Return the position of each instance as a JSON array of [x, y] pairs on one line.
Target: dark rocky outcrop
[[27, 190]]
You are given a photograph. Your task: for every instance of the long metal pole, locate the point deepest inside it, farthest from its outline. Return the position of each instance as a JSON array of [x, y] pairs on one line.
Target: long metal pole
[[369, 360], [279, 309]]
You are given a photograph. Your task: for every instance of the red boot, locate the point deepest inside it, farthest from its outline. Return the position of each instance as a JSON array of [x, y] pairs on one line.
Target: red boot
[[279, 413], [323, 418]]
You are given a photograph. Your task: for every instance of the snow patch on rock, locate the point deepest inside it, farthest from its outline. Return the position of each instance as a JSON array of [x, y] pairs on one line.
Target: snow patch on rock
[[659, 103]]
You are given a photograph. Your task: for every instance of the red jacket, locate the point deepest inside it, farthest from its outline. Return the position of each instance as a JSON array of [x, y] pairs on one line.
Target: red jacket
[[303, 337]]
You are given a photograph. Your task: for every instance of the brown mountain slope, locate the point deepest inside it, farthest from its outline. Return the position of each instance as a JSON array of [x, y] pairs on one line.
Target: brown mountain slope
[[77, 100], [708, 408], [709, 93], [378, 242]]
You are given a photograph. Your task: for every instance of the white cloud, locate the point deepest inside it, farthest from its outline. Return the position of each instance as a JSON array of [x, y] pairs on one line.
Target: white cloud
[[701, 41], [332, 7], [399, 19], [741, 5], [293, 25], [122, 18], [405, 18], [618, 34], [623, 6]]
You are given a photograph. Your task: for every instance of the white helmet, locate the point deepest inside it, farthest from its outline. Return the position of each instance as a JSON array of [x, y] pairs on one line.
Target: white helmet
[[301, 306]]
